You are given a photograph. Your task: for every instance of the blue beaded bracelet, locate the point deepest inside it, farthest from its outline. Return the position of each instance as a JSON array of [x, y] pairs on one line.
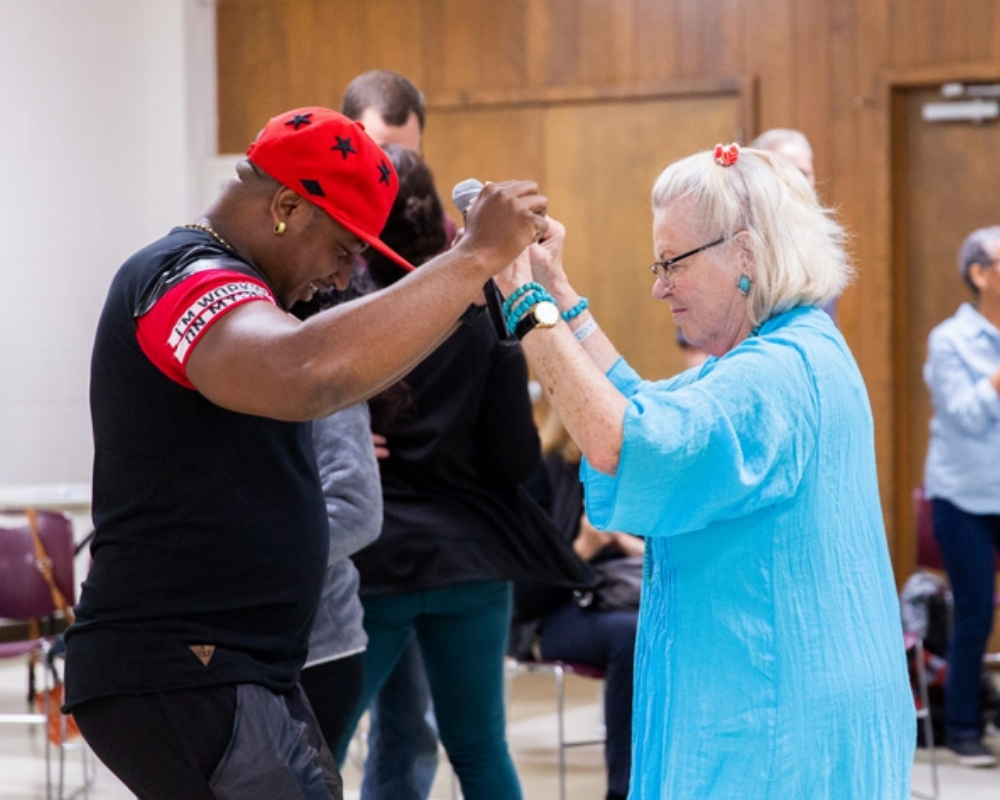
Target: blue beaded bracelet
[[518, 293], [576, 310]]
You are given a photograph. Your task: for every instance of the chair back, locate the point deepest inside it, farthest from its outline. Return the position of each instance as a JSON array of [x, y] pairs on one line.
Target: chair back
[[24, 592]]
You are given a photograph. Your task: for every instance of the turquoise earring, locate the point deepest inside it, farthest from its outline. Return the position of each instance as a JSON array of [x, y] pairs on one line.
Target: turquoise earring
[[743, 284]]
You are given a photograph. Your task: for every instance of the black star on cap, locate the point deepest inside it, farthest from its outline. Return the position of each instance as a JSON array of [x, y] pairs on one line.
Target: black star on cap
[[313, 187], [299, 120], [344, 146], [384, 172]]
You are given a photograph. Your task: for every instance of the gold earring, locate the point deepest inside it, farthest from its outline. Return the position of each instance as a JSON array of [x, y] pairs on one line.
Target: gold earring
[[279, 228]]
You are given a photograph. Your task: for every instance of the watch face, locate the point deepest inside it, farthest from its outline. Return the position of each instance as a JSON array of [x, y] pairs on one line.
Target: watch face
[[547, 314]]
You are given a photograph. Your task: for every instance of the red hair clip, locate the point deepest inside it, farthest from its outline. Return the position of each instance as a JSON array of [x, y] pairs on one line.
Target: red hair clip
[[726, 154]]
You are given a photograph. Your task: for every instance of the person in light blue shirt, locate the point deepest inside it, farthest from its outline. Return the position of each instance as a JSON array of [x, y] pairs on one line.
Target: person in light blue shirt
[[769, 658], [962, 479]]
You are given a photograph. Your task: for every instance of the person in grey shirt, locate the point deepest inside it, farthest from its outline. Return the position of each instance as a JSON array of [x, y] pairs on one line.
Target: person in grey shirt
[[962, 480], [333, 673]]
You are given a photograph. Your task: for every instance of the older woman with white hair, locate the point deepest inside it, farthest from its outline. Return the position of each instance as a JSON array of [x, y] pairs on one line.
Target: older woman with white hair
[[769, 660]]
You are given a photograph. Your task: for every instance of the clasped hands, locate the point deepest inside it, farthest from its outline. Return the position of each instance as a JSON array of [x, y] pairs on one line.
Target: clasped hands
[[540, 262]]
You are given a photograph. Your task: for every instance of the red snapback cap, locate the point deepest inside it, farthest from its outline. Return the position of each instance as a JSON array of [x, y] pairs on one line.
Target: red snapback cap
[[331, 161]]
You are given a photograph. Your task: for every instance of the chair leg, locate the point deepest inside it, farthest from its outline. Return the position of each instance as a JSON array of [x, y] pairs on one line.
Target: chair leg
[[62, 757], [924, 716], [560, 708], [46, 701]]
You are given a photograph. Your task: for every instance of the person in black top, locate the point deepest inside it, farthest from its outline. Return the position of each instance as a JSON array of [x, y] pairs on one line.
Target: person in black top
[[450, 539], [211, 532]]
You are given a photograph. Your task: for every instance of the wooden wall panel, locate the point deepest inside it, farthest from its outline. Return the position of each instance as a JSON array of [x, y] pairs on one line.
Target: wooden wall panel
[[867, 213], [659, 40], [820, 65], [769, 56]]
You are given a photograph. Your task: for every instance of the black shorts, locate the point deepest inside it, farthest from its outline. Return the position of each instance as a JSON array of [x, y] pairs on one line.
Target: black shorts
[[218, 743]]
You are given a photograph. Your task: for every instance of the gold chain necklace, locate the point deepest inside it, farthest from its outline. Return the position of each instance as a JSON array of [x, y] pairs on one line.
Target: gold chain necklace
[[205, 229]]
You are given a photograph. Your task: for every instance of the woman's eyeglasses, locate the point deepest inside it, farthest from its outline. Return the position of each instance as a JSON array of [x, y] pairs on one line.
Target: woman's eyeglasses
[[665, 270]]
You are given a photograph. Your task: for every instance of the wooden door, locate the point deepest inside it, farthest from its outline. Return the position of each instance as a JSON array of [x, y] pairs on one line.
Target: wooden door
[[596, 159], [945, 178]]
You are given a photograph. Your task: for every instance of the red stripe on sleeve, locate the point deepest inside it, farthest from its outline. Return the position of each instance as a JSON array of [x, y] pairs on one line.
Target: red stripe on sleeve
[[170, 330]]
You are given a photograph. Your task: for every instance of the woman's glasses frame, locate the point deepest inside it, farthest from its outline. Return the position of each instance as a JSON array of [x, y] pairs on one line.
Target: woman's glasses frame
[[664, 269]]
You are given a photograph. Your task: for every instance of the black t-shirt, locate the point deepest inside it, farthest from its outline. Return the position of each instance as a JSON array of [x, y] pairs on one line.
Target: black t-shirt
[[211, 530]]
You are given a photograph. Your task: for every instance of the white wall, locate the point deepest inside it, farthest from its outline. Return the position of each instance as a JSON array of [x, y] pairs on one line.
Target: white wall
[[107, 109]]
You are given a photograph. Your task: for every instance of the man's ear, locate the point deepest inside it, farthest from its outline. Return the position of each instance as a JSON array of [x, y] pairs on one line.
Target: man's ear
[[286, 205]]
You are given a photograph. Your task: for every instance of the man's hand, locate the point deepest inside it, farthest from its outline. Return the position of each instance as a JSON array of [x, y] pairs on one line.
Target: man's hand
[[504, 220]]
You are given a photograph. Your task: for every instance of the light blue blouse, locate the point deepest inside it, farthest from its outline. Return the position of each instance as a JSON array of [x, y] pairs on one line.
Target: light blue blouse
[[961, 467], [769, 661]]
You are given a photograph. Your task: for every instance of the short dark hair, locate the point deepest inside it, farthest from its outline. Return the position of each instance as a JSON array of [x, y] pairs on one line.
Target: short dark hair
[[391, 94]]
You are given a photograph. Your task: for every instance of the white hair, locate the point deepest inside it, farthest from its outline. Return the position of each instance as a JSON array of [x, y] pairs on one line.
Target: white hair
[[776, 138], [974, 251], [796, 248]]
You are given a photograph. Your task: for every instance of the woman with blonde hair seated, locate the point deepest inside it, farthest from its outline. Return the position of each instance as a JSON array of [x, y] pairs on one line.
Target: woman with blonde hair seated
[[769, 658]]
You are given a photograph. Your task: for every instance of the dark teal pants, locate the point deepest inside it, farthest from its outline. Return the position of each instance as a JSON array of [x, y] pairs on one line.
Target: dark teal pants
[[462, 633]]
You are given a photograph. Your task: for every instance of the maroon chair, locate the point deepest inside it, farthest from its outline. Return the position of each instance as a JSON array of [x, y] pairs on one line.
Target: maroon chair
[[25, 595], [24, 592]]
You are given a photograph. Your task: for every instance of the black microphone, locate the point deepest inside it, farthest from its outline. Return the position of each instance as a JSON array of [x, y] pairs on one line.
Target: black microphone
[[462, 196]]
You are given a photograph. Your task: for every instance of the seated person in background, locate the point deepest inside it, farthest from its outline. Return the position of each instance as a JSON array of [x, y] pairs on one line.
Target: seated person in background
[[963, 482], [581, 629]]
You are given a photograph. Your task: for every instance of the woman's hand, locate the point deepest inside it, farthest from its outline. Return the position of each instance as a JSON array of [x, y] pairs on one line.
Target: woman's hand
[[381, 446], [517, 274], [546, 258]]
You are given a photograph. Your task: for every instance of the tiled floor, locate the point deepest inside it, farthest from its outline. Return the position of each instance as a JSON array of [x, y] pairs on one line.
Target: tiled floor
[[532, 734]]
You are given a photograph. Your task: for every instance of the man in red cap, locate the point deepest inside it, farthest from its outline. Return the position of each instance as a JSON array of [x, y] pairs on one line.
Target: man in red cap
[[211, 530]]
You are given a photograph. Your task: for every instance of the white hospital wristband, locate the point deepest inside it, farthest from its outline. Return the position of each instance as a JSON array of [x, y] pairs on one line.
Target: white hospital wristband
[[585, 330]]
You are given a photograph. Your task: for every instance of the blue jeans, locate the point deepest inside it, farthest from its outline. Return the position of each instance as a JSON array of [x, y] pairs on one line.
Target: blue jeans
[[967, 542], [606, 640], [462, 634], [402, 734]]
